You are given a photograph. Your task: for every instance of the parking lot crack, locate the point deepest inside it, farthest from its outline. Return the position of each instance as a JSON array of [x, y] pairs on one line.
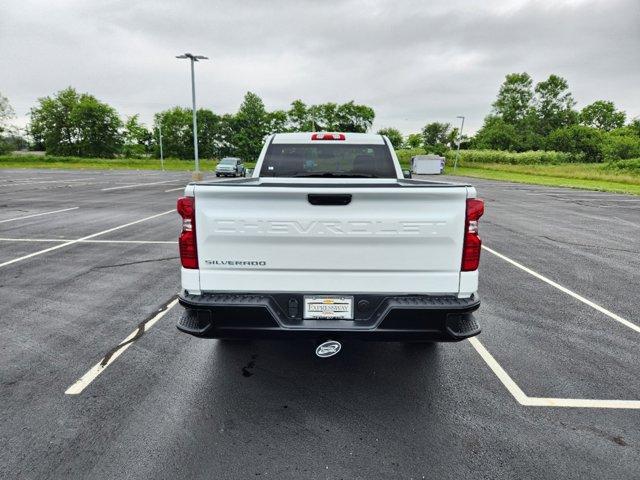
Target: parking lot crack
[[135, 263], [586, 245], [139, 332], [247, 370]]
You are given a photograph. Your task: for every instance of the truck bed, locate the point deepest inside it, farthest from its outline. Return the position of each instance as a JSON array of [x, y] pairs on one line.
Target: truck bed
[[331, 183]]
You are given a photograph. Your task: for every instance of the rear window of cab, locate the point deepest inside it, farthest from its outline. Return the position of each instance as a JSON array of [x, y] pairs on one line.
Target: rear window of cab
[[328, 160]]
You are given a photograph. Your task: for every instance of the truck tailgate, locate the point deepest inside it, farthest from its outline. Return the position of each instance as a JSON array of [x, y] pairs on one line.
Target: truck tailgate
[[387, 239]]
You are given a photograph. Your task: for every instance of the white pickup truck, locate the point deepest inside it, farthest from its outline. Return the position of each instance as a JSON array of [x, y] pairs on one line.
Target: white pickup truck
[[328, 240]]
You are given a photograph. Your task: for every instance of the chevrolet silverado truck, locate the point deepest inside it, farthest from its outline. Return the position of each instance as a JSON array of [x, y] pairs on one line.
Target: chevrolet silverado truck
[[328, 240]]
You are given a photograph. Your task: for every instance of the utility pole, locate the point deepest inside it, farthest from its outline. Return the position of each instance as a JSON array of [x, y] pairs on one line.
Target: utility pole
[[197, 175], [161, 153], [455, 164]]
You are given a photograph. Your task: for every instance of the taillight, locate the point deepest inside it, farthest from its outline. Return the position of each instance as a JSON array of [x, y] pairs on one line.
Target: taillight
[[472, 242], [187, 241], [328, 136]]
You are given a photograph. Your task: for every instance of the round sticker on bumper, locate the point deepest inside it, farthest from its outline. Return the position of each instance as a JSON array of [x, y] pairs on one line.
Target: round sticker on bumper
[[328, 348]]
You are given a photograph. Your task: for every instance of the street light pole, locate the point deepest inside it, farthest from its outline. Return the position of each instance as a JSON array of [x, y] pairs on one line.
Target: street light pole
[[455, 164], [194, 58], [161, 152]]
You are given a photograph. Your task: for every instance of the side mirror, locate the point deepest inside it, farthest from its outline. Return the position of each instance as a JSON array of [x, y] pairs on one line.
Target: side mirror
[[248, 172], [406, 173]]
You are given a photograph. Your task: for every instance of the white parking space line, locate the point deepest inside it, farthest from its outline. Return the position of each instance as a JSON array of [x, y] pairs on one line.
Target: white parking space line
[[63, 240], [46, 181], [45, 240], [139, 185], [581, 403], [527, 401], [88, 237], [141, 242], [503, 376], [589, 196], [578, 297], [38, 214], [516, 391], [174, 189], [111, 357], [137, 173], [607, 219], [25, 179]]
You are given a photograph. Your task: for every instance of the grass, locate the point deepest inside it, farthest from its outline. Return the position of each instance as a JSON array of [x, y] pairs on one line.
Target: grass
[[588, 176], [43, 161], [537, 157], [619, 177]]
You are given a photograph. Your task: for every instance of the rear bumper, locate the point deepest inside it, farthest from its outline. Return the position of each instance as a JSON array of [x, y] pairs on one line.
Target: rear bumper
[[377, 317]]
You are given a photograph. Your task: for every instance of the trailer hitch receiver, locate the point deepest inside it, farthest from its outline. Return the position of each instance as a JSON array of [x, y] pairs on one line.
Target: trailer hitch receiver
[[328, 348]]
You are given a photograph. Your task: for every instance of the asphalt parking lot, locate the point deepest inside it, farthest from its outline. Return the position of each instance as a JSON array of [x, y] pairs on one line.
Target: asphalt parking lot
[[88, 260]]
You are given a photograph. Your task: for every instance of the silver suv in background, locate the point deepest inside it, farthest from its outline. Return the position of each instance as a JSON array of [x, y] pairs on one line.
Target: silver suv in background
[[230, 167]]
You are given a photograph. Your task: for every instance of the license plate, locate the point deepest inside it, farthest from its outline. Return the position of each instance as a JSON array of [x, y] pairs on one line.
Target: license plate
[[328, 307]]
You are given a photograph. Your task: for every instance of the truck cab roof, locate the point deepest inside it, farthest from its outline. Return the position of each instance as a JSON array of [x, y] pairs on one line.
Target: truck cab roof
[[321, 137]]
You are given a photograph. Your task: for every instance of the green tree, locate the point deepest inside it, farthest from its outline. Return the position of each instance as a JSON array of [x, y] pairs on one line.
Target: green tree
[[515, 97], [496, 134], [13, 141], [316, 117], [137, 139], [76, 124], [584, 143], [177, 132], [452, 138], [251, 125], [299, 117], [226, 134], [634, 127], [553, 105], [529, 139], [394, 136], [414, 140], [51, 126], [619, 145], [602, 115], [354, 118], [277, 121], [348, 117], [435, 134], [325, 116], [524, 116], [6, 114], [209, 133], [98, 126], [512, 122]]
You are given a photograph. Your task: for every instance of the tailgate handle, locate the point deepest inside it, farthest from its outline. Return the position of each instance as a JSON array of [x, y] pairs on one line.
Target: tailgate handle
[[329, 198]]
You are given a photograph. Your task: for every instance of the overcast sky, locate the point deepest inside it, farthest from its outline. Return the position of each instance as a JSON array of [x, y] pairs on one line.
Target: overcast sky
[[412, 61]]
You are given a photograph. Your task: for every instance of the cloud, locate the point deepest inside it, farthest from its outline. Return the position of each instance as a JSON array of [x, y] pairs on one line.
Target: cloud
[[412, 61]]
